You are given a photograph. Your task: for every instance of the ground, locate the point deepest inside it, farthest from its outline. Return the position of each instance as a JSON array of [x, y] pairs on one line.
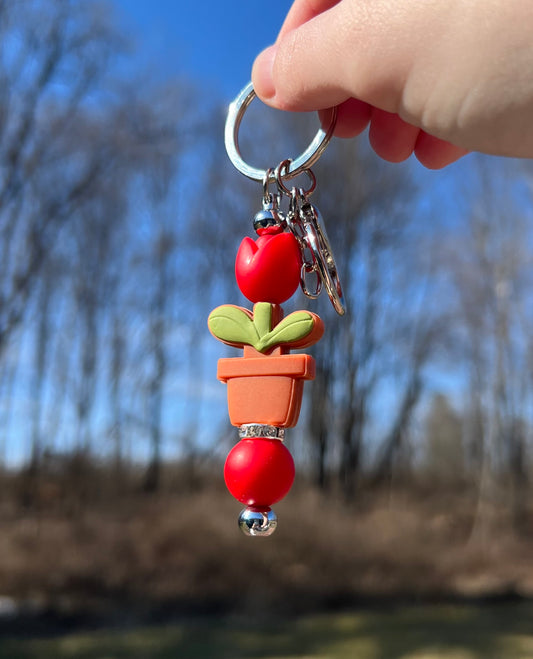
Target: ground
[[503, 631]]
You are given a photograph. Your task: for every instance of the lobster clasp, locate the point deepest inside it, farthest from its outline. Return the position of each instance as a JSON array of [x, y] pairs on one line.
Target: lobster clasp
[[306, 223], [324, 261]]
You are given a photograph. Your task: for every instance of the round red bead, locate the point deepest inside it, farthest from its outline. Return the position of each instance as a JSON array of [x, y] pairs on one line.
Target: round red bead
[[259, 472]]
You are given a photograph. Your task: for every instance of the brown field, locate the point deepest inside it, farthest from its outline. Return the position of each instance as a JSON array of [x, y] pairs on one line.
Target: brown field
[[180, 554]]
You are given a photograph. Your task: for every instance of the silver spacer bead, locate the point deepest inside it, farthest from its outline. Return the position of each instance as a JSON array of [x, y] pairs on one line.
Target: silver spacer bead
[[261, 430], [258, 522]]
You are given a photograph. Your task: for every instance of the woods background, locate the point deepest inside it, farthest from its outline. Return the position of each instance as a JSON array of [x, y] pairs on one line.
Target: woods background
[[120, 216]]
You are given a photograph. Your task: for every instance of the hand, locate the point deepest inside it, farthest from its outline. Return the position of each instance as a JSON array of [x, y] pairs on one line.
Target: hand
[[434, 78]]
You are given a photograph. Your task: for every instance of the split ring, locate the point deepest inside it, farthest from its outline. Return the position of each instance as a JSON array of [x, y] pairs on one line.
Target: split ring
[[298, 165]]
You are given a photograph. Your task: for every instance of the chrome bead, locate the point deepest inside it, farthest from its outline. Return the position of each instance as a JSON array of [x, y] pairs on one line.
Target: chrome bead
[[258, 522], [266, 218]]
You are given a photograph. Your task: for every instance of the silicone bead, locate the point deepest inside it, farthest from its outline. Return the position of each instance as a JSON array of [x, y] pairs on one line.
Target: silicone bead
[[259, 472], [268, 269], [266, 390]]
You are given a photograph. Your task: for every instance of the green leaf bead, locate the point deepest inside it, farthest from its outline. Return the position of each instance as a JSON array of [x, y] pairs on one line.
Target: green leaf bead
[[232, 325]]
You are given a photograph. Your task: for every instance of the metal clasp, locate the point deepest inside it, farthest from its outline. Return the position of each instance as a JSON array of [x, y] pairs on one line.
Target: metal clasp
[[318, 243], [305, 222]]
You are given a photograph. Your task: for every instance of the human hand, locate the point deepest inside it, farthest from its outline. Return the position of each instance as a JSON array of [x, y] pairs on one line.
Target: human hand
[[435, 78]]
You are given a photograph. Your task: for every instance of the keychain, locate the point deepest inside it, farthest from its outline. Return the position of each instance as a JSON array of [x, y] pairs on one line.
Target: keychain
[[265, 384]]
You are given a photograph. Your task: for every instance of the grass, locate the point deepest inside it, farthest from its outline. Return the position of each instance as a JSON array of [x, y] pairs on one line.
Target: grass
[[503, 631]]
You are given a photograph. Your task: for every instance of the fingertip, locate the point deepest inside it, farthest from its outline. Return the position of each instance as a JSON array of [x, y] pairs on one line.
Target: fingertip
[[262, 78], [434, 153], [391, 138], [353, 116]]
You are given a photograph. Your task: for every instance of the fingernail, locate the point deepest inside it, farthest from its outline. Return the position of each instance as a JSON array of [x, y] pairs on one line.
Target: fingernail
[[262, 73]]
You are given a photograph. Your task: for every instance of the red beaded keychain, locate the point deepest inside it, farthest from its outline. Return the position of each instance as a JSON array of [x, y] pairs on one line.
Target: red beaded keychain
[[265, 385]]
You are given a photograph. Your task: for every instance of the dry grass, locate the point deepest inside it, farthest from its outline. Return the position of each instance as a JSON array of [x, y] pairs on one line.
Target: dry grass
[[184, 553]]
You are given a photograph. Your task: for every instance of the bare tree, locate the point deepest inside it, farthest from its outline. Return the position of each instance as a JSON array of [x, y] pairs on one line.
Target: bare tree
[[52, 56], [77, 136], [443, 451], [490, 262], [368, 224], [159, 312]]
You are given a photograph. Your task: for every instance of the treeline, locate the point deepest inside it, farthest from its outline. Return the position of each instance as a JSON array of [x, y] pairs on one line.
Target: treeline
[[429, 375], [119, 219]]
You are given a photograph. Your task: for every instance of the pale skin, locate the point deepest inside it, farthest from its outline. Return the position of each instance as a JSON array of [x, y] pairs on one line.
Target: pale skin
[[436, 78]]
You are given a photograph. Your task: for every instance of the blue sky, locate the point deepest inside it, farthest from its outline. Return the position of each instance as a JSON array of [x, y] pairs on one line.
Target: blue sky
[[214, 43]]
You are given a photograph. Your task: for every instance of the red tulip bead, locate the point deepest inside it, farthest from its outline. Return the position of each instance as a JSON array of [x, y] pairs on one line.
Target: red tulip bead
[[268, 269], [259, 472]]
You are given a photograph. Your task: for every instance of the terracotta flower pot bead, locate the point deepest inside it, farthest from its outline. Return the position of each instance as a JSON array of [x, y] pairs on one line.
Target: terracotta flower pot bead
[[265, 384]]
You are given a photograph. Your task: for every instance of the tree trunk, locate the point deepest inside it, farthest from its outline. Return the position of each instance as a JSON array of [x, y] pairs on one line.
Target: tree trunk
[[393, 443]]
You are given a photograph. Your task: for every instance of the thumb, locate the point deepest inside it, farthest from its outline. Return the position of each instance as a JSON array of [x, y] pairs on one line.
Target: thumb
[[349, 50]]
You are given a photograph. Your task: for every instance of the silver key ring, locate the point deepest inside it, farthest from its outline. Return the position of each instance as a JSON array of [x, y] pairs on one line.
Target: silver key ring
[[298, 165]]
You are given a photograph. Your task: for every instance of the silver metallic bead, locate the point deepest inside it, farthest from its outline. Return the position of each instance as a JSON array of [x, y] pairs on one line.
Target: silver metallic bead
[[258, 522], [266, 218], [270, 215]]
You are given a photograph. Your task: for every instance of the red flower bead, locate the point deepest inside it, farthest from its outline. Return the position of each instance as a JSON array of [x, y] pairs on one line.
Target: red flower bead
[[259, 472], [268, 269]]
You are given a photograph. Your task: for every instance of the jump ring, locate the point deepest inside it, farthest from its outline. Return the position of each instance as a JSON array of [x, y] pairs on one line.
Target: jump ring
[[282, 172], [231, 137], [270, 175]]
